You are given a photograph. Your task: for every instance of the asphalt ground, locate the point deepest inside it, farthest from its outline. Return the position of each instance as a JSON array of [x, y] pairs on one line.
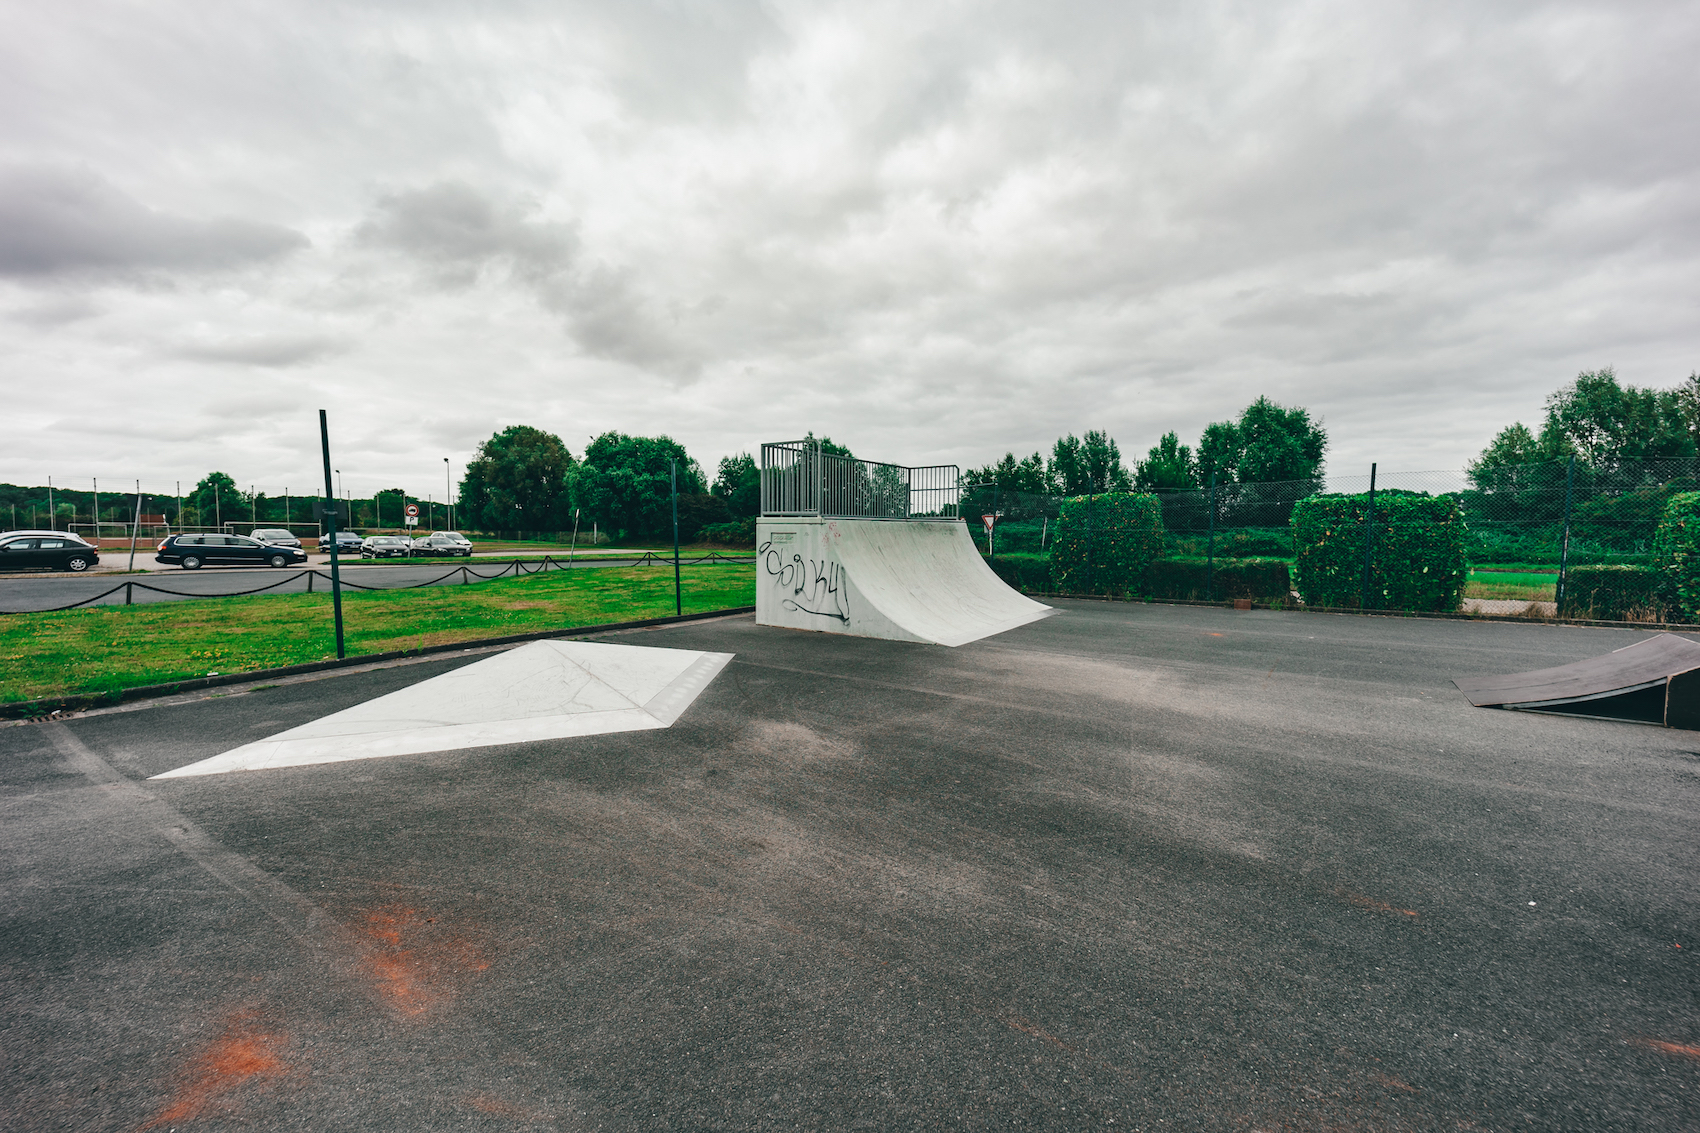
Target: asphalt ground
[[1130, 867], [27, 593]]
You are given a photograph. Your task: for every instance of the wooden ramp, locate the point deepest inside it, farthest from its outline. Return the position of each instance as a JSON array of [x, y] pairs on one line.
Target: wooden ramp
[[1656, 681]]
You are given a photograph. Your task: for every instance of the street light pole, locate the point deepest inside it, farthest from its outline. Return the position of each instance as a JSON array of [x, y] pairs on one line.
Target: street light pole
[[448, 493], [330, 526]]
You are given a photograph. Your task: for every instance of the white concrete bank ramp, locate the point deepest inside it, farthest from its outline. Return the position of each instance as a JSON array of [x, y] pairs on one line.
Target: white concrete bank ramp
[[542, 691], [903, 580]]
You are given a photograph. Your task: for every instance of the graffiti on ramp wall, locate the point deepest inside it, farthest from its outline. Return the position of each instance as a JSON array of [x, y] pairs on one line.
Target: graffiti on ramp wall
[[818, 587]]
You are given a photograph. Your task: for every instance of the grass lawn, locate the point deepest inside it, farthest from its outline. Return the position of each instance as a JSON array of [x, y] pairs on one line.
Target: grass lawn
[[115, 647], [1523, 586]]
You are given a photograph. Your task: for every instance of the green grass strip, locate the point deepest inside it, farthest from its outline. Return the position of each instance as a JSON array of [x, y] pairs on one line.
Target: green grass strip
[[107, 648]]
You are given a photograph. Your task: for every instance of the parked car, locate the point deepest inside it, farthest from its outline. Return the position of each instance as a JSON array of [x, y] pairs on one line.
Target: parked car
[[443, 543], [386, 547], [274, 536], [347, 543], [50, 550], [191, 552]]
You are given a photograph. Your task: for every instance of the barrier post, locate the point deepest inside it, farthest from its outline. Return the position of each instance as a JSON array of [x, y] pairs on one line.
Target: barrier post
[[129, 593], [330, 525], [1564, 549], [1369, 536]]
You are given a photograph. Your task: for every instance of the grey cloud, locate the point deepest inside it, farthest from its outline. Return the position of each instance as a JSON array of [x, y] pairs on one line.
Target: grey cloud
[[56, 221], [460, 231], [273, 351]]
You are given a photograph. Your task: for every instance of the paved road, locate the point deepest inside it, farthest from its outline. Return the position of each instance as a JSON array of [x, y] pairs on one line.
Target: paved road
[[20, 593], [1131, 867]]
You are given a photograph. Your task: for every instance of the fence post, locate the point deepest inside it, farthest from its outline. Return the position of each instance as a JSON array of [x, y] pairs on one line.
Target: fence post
[[1210, 547], [330, 525], [1369, 535], [310, 575], [129, 592], [1564, 548]]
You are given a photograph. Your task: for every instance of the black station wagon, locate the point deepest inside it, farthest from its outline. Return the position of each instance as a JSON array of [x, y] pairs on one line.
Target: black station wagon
[[54, 550], [195, 551]]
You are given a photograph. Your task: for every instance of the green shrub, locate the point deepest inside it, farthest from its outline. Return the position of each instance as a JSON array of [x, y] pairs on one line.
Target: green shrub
[[1030, 574], [1417, 560], [1126, 535], [1612, 593], [1676, 553], [1262, 579], [1234, 543], [740, 533]]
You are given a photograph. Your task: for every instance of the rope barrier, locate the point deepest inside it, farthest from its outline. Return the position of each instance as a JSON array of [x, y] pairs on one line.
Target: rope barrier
[[518, 568]]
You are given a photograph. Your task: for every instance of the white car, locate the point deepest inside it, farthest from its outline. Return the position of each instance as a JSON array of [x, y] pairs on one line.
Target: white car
[[443, 543], [274, 537]]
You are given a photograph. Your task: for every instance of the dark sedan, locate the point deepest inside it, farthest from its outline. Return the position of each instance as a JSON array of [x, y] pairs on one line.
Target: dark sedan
[[192, 552], [48, 550]]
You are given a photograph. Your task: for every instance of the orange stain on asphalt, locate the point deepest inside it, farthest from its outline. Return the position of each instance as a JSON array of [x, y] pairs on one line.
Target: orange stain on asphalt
[[1363, 902], [1028, 1028], [417, 958], [1215, 635], [242, 1053], [1683, 1050], [1393, 1083]]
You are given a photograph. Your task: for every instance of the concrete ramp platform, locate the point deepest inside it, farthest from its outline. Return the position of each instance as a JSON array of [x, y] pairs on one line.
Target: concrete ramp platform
[[1656, 681], [902, 580]]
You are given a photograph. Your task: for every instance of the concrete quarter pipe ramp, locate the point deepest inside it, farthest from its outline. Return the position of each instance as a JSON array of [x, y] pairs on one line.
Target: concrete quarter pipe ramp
[[904, 580], [1656, 681]]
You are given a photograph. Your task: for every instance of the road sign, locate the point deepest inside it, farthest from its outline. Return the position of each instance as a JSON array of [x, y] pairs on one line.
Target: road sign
[[332, 509], [412, 521], [413, 511], [988, 520]]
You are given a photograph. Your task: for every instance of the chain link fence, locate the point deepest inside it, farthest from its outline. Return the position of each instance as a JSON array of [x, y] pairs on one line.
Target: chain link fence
[[1525, 527]]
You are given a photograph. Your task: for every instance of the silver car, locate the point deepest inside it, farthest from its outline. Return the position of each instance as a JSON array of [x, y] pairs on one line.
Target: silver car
[[275, 536], [443, 543]]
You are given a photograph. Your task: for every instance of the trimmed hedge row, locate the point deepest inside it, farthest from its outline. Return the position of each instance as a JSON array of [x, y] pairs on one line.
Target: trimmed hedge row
[[1417, 560], [1030, 574], [1126, 537], [1613, 593], [1265, 580], [1676, 553]]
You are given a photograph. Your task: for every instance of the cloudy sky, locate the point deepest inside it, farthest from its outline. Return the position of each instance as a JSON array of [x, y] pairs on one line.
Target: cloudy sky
[[934, 231]]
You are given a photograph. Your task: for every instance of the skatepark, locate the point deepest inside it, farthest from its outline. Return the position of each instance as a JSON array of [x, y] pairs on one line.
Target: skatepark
[[1085, 865]]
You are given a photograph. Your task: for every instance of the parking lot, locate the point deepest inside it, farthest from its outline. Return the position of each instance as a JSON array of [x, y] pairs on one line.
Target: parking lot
[[1129, 867]]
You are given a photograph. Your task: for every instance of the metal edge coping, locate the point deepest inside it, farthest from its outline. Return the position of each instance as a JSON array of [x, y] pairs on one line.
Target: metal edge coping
[[26, 709]]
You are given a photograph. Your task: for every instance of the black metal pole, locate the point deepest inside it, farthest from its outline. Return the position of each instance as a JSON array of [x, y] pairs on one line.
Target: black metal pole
[[1210, 547], [678, 594], [992, 535], [1564, 549], [1369, 536], [330, 526]]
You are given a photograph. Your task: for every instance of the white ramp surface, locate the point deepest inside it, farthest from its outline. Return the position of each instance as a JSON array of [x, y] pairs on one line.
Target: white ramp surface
[[917, 580], [542, 691]]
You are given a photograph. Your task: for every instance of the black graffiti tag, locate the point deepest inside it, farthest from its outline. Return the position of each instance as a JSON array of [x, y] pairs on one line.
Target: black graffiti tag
[[816, 587]]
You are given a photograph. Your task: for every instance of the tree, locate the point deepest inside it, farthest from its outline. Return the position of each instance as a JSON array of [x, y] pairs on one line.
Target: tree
[[1268, 444], [1025, 475], [1091, 464], [738, 482], [1169, 466], [1607, 425], [217, 499], [517, 481], [623, 483]]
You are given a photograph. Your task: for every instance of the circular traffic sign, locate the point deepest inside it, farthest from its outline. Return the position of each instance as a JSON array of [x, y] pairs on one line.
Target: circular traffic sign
[[413, 510]]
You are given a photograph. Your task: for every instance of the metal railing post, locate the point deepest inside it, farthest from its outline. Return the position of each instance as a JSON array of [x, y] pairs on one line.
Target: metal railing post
[[1369, 536], [1564, 548], [678, 593], [330, 524], [1090, 488]]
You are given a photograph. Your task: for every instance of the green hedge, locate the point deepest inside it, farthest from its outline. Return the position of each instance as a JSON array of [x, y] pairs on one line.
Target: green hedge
[[1126, 536], [1613, 593], [1676, 553], [740, 533], [1418, 551], [1266, 580], [1030, 574]]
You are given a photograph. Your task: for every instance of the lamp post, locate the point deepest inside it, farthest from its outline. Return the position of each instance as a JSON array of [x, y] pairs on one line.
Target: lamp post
[[448, 493]]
